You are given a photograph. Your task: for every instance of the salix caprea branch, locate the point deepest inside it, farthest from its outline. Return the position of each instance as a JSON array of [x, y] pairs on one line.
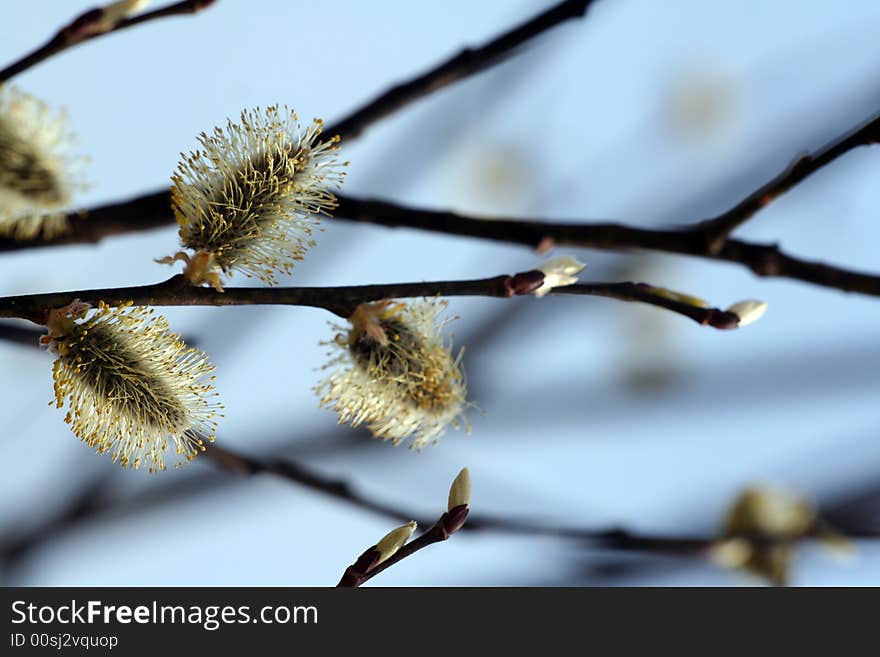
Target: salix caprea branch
[[343, 300], [151, 211], [395, 546], [740, 528], [96, 22]]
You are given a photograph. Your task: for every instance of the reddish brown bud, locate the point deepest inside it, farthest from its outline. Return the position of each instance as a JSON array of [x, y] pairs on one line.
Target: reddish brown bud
[[721, 319], [525, 282], [454, 519], [85, 25]]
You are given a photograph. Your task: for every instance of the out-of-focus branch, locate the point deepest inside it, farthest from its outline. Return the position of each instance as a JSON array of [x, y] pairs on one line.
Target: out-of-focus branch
[[177, 291], [80, 505], [609, 537], [466, 63], [297, 473], [93, 502], [370, 563], [20, 335], [91, 24]]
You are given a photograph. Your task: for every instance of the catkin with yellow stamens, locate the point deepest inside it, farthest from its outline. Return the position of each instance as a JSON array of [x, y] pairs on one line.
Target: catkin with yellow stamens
[[250, 199], [395, 374], [764, 523], [132, 388], [37, 170]]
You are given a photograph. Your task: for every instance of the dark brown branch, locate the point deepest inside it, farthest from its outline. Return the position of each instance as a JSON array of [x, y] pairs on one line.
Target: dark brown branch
[[91, 24], [707, 239], [366, 566], [177, 291], [153, 211], [644, 293], [299, 474], [716, 229], [466, 63], [20, 335], [762, 259], [94, 502], [146, 212]]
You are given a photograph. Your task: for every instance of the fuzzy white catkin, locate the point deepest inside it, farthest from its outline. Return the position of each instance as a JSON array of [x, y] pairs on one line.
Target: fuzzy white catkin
[[38, 171], [251, 198], [394, 374], [133, 389]]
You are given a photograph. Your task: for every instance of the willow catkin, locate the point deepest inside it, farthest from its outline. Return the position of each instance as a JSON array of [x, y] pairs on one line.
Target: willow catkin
[[251, 197], [395, 374], [38, 172], [132, 388]]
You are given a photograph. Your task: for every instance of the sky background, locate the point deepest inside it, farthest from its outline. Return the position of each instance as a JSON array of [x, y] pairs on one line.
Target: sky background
[[594, 412]]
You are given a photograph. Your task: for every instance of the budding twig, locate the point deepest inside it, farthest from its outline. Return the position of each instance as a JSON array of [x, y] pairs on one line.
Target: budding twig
[[762, 259], [715, 230], [442, 530], [177, 291], [92, 24], [394, 548]]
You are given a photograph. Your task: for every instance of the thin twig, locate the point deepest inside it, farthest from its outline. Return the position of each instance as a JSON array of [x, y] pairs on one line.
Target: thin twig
[[20, 335], [91, 24], [295, 472], [465, 64], [715, 230], [177, 291], [366, 567]]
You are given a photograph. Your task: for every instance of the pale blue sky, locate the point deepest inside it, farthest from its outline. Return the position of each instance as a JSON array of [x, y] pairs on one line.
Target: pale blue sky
[[600, 119]]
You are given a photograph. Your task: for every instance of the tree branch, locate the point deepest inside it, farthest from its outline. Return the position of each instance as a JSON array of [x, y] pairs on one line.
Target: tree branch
[[466, 63], [91, 24], [762, 259], [145, 212], [92, 502], [716, 229], [299, 474], [154, 211], [366, 566], [20, 335], [177, 291]]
